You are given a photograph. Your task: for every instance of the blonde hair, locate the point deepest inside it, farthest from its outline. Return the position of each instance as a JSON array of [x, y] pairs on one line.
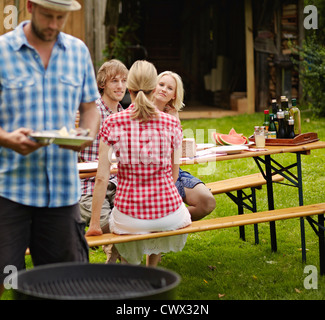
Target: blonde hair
[[141, 81], [109, 70], [177, 103]]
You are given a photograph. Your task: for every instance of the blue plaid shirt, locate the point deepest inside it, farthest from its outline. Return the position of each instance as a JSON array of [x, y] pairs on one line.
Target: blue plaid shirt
[[42, 99]]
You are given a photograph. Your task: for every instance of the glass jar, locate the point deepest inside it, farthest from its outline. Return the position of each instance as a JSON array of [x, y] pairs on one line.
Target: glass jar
[[259, 137]]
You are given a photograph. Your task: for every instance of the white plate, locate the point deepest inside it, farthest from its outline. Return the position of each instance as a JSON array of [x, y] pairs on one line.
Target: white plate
[[203, 146], [87, 166], [221, 150], [230, 149], [48, 137], [217, 151]]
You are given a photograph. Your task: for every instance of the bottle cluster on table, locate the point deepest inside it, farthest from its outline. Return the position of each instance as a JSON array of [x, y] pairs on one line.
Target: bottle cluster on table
[[284, 122]]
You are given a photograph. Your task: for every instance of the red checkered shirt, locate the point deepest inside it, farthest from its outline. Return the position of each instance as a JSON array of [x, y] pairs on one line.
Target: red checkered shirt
[[146, 189], [91, 153]]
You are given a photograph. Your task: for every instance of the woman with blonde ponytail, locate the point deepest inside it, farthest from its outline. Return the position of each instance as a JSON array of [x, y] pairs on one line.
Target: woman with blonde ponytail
[[141, 89], [147, 144]]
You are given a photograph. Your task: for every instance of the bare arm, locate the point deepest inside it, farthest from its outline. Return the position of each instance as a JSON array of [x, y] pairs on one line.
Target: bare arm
[[177, 153], [89, 118], [101, 183], [176, 162]]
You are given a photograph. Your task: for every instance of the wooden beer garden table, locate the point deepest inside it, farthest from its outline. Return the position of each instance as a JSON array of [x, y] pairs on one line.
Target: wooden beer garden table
[[268, 167]]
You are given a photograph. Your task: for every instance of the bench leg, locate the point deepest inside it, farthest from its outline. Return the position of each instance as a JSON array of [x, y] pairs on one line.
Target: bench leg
[[321, 239], [269, 186], [257, 241], [301, 203], [240, 199], [320, 232], [241, 211]]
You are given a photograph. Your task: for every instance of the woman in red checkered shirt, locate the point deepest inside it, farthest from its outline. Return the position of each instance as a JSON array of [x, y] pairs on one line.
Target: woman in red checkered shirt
[[147, 144]]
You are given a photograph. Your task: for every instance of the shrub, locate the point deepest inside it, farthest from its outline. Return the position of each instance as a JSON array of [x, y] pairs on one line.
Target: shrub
[[312, 58]]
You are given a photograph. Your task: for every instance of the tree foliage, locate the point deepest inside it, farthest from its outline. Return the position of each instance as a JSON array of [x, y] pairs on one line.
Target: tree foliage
[[312, 60]]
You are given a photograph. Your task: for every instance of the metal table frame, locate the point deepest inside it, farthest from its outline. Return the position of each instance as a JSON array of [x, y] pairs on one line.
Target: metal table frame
[[294, 180]]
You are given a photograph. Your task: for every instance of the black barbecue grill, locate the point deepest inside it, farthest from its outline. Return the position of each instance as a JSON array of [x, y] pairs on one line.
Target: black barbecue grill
[[72, 281]]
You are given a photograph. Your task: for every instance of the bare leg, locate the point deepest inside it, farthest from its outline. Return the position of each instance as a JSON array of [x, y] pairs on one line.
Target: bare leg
[[111, 253], [153, 260], [200, 201], [123, 261]]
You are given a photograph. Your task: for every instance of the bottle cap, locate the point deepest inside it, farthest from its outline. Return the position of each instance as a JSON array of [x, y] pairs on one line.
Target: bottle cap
[[266, 111]]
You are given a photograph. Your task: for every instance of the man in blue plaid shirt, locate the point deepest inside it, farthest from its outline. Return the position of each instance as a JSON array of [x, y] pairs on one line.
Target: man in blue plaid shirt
[[45, 77]]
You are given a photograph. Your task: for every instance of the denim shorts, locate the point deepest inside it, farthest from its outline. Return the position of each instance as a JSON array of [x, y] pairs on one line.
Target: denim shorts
[[185, 179]]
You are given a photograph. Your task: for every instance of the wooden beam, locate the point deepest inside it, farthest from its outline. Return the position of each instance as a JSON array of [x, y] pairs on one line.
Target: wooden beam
[[2, 6], [250, 73], [76, 23], [301, 37], [278, 32]]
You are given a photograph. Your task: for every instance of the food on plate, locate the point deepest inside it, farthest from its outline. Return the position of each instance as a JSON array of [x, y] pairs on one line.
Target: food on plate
[[73, 137], [63, 132], [231, 139]]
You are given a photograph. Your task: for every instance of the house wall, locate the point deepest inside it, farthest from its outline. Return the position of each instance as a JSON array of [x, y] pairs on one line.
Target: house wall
[[75, 24], [86, 24], [189, 36]]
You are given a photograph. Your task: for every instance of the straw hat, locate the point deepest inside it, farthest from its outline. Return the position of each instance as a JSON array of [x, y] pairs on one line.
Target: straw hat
[[59, 5]]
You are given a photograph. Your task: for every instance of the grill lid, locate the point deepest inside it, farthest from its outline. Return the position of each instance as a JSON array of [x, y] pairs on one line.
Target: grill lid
[[75, 281]]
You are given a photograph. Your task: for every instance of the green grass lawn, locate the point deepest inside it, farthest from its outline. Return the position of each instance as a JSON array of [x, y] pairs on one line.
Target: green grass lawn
[[217, 265]]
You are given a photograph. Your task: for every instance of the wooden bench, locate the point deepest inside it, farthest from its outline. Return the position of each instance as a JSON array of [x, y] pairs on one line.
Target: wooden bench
[[231, 221], [242, 199], [255, 180]]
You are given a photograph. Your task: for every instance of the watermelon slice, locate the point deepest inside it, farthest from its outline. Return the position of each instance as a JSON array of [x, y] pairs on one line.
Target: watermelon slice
[[232, 139], [215, 137], [233, 132], [247, 140], [218, 141]]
